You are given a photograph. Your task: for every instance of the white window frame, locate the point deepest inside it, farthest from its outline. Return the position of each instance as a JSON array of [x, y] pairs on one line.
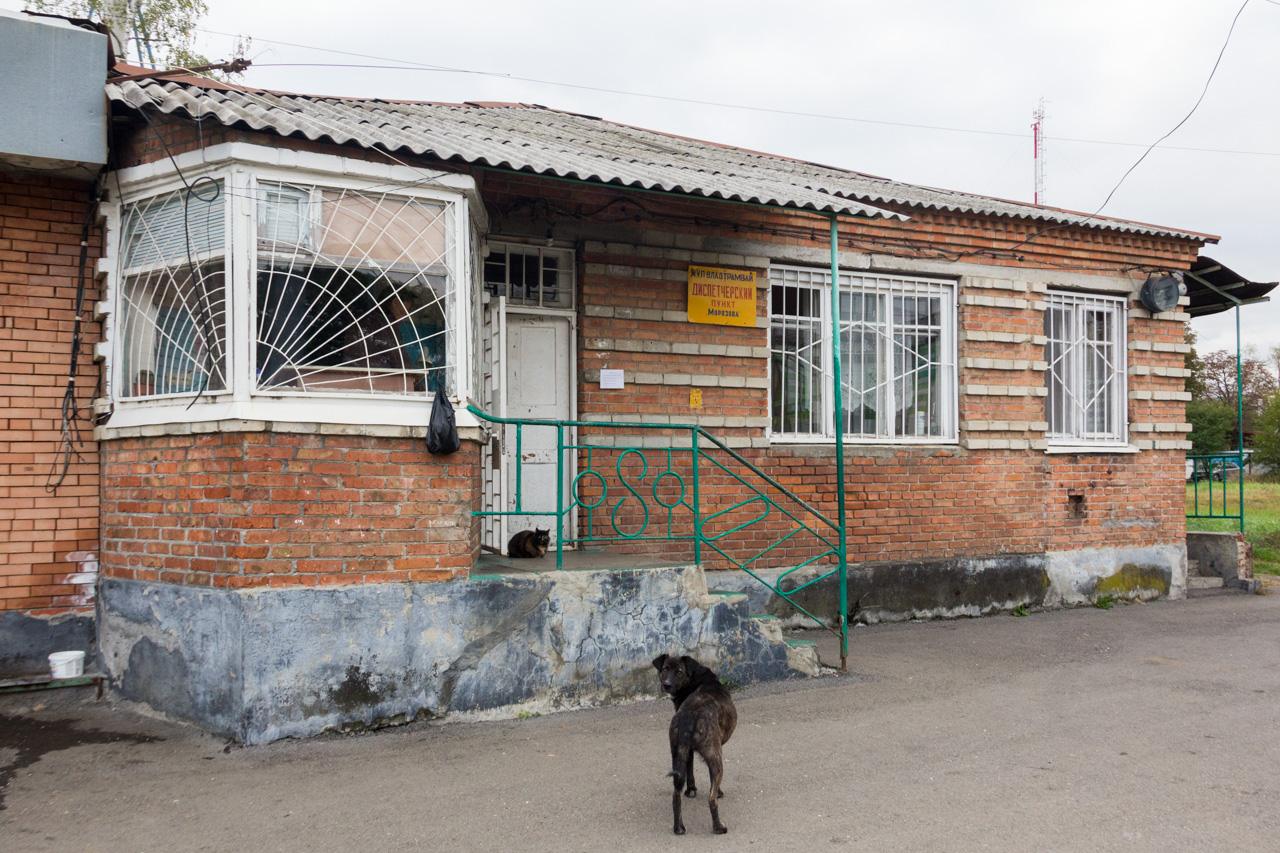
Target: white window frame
[[568, 282], [118, 379], [889, 285], [1071, 361], [239, 166]]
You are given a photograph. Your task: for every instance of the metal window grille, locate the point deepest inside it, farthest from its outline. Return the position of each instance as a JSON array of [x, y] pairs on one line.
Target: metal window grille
[[897, 357], [354, 292], [173, 295], [530, 275], [1085, 351]]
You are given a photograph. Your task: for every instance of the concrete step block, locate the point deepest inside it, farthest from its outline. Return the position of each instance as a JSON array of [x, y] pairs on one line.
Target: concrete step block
[[802, 656], [1198, 582], [770, 626]]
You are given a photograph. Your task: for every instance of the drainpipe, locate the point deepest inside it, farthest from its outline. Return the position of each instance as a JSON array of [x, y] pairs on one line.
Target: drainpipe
[[839, 417]]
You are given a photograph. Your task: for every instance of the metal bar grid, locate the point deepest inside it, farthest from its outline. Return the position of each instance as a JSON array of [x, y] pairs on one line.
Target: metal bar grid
[[173, 298], [898, 370], [1086, 368], [1217, 468], [354, 291]]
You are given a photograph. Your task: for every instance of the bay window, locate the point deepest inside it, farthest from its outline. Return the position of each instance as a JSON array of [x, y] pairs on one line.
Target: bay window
[[268, 290]]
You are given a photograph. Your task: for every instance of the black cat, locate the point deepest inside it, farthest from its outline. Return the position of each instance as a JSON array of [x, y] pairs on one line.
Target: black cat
[[529, 543]]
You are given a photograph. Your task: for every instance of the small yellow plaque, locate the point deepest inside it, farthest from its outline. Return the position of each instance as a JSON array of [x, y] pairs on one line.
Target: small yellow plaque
[[722, 297], [695, 398]]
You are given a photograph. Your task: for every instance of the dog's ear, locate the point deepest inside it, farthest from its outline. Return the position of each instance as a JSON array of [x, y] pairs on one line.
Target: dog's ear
[[659, 662], [692, 667]]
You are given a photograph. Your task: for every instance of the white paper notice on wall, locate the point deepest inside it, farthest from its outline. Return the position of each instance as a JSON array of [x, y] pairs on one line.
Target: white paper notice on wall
[[611, 380]]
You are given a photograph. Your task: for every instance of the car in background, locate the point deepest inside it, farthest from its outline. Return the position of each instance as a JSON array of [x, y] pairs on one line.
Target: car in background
[[1216, 469]]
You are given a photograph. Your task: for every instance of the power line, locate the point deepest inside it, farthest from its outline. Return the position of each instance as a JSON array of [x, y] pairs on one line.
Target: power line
[[1212, 72], [1192, 112], [409, 65]]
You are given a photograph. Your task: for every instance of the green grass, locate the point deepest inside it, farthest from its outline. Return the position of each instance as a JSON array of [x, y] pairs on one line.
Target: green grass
[[1261, 518]]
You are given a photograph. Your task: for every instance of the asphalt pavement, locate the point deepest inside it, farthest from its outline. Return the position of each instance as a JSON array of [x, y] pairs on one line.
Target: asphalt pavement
[[1143, 728]]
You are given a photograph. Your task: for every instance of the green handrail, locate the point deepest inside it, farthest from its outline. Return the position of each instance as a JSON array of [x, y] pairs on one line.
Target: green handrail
[[1210, 467], [684, 506]]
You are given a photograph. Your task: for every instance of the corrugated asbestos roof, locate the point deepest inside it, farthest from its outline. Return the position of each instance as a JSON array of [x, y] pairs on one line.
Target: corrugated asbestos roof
[[535, 139]]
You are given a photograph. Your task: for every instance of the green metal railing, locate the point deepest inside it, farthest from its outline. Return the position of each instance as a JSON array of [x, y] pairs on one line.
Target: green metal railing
[[1217, 468], [659, 496], [1215, 465]]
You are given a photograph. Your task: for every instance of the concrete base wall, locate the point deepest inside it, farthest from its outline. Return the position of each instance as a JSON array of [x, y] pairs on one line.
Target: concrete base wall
[[26, 640], [941, 589], [259, 665]]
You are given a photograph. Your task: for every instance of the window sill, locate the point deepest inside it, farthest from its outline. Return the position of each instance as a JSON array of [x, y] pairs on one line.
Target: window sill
[[346, 415], [1094, 449], [795, 441]]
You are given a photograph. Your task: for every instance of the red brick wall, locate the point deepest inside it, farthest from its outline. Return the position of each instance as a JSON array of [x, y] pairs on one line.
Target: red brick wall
[[254, 509], [903, 503], [40, 229]]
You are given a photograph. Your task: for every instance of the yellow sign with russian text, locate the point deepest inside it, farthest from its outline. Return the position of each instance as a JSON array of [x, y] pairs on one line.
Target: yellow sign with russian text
[[722, 297]]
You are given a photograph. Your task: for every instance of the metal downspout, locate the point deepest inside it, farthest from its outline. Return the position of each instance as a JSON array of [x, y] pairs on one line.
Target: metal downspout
[[839, 419], [1239, 418]]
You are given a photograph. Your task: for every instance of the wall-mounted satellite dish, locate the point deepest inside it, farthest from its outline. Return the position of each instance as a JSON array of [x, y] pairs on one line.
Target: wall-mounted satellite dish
[[1160, 293]]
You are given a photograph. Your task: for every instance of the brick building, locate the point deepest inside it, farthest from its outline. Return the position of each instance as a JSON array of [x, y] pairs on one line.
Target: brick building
[[285, 283], [52, 145]]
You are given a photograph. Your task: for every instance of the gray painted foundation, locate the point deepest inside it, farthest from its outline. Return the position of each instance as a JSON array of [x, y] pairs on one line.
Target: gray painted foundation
[[266, 664], [948, 589], [26, 641]]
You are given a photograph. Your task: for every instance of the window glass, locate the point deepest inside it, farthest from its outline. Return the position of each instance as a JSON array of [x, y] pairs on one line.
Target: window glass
[[173, 312], [530, 275], [1084, 369], [353, 292], [896, 340]]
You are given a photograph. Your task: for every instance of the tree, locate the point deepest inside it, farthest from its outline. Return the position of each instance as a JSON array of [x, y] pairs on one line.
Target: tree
[[1191, 361], [1219, 377], [1212, 424], [1266, 437], [162, 32]]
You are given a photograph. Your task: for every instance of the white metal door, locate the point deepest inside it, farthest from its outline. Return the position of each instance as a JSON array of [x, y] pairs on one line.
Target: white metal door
[[539, 384]]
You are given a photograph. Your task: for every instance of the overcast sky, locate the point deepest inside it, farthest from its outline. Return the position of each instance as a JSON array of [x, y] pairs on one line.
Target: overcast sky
[[1119, 71]]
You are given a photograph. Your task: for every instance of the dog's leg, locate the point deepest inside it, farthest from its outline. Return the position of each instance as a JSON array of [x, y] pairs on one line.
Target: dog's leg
[[677, 780], [716, 766], [677, 825], [690, 786]]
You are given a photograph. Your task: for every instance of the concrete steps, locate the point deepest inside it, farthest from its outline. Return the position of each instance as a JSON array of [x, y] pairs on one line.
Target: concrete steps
[[801, 655], [1199, 582]]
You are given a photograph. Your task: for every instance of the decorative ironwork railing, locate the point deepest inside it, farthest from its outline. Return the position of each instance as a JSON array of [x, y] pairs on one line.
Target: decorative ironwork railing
[[679, 483], [1215, 477]]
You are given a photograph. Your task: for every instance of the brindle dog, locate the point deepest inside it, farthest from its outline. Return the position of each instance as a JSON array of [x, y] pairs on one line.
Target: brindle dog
[[703, 722]]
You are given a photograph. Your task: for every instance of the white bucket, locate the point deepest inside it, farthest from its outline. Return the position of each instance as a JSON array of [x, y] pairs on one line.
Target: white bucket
[[67, 664]]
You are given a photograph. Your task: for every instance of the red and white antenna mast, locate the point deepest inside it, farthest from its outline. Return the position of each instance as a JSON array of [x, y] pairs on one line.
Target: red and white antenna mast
[[1037, 134]]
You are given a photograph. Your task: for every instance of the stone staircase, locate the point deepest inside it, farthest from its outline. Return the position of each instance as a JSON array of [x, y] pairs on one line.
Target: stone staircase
[[801, 656]]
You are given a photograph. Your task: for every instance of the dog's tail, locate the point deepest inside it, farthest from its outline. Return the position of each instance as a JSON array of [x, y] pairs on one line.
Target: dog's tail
[[679, 761]]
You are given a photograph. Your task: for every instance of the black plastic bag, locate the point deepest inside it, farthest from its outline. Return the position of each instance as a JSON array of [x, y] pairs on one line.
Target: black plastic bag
[[442, 431]]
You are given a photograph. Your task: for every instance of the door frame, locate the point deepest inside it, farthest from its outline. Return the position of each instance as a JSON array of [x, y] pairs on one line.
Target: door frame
[[571, 434]]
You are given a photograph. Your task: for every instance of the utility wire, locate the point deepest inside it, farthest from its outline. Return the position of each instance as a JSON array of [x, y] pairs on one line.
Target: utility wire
[[1213, 71], [409, 65]]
